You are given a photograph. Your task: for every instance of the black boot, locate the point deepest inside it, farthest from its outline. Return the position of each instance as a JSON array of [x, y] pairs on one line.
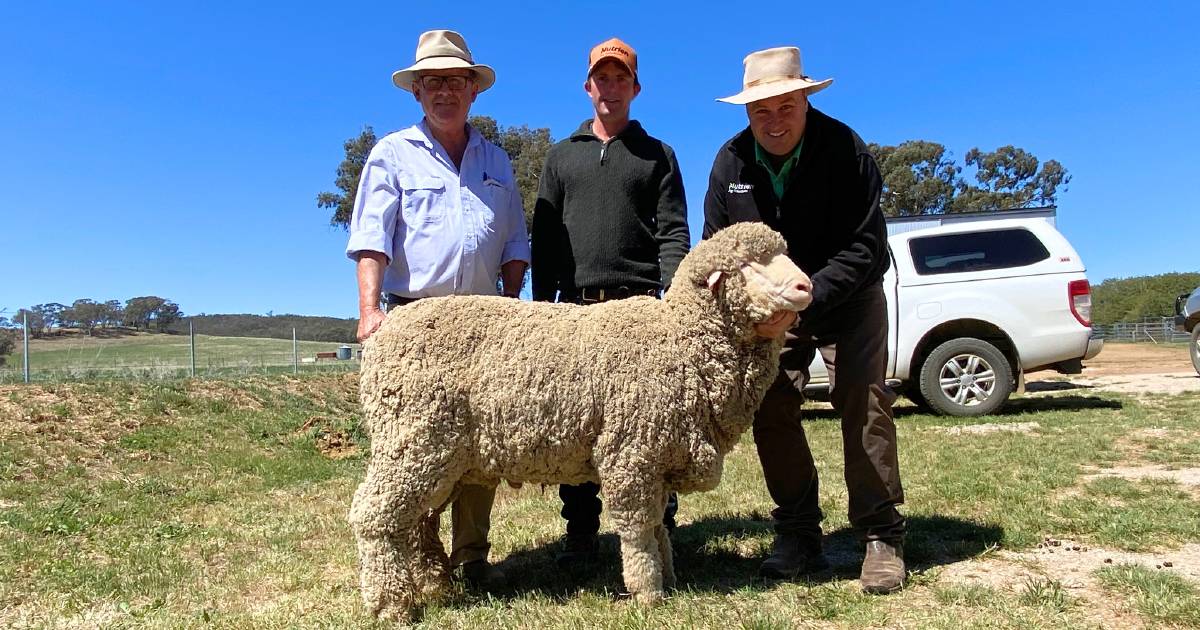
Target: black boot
[[577, 550], [793, 555]]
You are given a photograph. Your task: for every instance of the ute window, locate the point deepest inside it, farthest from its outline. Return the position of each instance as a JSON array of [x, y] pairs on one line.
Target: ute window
[[976, 251]]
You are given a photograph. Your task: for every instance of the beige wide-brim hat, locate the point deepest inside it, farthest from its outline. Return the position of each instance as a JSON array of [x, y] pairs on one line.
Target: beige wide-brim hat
[[772, 72], [443, 50]]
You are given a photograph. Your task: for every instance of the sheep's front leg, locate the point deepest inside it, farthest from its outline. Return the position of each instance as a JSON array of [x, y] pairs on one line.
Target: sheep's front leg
[[638, 512], [399, 569]]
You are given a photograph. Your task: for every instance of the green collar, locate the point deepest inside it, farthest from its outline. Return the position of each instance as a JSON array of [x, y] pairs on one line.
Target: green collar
[[779, 180]]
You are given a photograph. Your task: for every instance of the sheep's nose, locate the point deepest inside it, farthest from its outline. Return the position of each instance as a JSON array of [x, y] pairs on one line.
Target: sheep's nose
[[799, 293]]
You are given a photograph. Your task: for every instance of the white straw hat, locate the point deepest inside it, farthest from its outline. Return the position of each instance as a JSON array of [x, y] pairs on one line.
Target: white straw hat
[[443, 50], [772, 72]]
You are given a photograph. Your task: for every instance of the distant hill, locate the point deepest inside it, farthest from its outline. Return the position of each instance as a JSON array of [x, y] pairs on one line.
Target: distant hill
[[1133, 299], [274, 327]]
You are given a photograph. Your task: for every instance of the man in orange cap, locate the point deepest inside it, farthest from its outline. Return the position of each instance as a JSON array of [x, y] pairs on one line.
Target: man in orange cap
[[610, 223]]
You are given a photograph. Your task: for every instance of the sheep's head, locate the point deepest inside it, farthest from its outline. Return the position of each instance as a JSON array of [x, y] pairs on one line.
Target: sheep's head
[[744, 270]]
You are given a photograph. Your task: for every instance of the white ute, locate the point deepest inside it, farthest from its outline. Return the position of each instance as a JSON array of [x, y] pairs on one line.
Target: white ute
[[973, 307]]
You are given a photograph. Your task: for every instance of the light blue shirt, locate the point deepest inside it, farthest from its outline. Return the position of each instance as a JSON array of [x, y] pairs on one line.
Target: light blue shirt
[[445, 231]]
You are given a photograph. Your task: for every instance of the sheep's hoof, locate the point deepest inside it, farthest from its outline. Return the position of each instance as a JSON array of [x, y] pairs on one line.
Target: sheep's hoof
[[648, 598], [395, 613]]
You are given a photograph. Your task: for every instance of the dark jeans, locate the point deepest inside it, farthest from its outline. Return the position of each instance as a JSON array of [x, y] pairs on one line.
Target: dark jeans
[[582, 506], [852, 340]]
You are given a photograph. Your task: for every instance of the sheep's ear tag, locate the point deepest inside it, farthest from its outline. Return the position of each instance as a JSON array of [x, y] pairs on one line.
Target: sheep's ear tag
[[714, 280]]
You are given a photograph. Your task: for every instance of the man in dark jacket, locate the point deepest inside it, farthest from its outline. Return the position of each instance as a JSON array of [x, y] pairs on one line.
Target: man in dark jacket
[[811, 178], [610, 223]]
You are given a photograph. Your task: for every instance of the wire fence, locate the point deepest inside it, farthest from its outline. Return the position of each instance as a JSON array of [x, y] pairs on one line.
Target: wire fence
[[158, 356], [1149, 330], [125, 354]]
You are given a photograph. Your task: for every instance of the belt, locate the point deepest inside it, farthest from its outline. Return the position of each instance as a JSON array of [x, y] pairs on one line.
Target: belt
[[399, 300], [595, 295]]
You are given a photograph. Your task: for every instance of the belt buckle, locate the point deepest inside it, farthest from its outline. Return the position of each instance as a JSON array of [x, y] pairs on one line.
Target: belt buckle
[[591, 296]]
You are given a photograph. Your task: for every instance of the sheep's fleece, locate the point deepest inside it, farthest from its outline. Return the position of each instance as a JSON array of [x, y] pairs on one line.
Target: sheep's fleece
[[644, 396]]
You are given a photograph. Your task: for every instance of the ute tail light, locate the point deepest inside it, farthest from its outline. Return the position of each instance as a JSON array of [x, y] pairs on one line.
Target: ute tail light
[[1079, 293]]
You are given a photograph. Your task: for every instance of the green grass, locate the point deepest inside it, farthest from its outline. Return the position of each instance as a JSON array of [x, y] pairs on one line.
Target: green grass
[[1162, 597], [216, 503], [161, 356]]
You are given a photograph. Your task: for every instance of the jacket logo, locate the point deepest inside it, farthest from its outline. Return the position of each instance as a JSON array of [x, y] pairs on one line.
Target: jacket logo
[[735, 187]]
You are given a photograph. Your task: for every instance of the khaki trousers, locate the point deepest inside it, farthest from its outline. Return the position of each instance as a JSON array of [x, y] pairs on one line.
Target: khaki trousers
[[470, 521]]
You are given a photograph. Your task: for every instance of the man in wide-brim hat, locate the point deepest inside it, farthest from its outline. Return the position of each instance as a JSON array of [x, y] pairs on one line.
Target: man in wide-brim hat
[[811, 178], [438, 212]]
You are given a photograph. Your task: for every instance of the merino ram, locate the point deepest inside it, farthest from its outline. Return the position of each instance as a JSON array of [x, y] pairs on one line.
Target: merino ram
[[644, 396]]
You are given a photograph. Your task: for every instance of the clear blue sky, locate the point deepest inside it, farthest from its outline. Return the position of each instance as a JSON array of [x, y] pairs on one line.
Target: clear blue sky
[[176, 149]]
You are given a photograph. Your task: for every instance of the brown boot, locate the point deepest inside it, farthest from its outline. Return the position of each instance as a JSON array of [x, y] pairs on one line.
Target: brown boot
[[792, 556], [883, 568]]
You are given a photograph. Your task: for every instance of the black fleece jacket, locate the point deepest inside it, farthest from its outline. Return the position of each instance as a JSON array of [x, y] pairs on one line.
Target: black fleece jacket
[[829, 214], [608, 214]]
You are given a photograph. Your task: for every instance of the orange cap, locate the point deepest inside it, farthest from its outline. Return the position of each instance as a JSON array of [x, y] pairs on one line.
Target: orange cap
[[613, 49]]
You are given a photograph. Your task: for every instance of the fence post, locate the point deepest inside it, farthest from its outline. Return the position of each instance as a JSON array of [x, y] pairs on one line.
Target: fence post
[[295, 354], [192, 346], [25, 351]]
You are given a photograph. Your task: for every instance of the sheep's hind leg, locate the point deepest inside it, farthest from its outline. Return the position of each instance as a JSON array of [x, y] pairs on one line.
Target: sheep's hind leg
[[390, 516], [668, 558]]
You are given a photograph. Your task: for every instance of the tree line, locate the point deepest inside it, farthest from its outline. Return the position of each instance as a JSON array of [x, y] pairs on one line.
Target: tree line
[[526, 147], [272, 326], [920, 177], [87, 315], [1135, 299]]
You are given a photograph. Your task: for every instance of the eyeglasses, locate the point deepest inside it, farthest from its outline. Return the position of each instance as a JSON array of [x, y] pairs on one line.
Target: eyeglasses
[[433, 82]]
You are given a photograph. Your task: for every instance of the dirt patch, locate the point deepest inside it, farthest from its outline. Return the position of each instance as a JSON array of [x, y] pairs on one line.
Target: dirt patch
[[330, 441], [63, 424], [1189, 477], [1139, 358], [983, 429], [1142, 383], [220, 391], [1073, 564], [1127, 368]]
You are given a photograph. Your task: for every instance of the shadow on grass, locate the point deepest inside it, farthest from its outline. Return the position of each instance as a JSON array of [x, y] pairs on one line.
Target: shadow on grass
[[1014, 407], [1054, 386], [705, 561]]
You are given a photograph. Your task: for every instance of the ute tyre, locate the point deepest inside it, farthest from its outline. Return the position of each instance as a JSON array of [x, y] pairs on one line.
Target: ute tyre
[[1195, 350], [965, 377]]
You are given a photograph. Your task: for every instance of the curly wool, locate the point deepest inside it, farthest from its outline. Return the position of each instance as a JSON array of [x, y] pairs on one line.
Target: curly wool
[[642, 395]]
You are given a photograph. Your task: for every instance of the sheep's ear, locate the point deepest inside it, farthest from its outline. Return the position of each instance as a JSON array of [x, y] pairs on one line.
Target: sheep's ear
[[714, 280]]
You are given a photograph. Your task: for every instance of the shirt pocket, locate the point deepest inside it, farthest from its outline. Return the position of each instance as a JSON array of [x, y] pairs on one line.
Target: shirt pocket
[[424, 199], [496, 192]]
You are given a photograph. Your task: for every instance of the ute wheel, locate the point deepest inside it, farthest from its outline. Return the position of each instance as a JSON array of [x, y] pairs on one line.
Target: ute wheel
[[965, 377], [1195, 351]]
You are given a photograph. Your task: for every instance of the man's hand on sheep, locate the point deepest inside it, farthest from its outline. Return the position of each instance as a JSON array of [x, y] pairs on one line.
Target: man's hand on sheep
[[369, 322], [781, 279], [778, 324]]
